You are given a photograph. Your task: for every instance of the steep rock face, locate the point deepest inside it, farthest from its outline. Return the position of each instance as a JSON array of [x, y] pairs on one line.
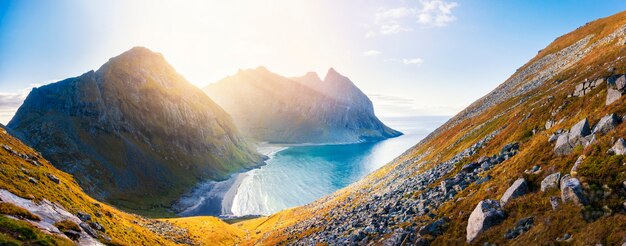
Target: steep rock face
[[272, 108], [134, 132]]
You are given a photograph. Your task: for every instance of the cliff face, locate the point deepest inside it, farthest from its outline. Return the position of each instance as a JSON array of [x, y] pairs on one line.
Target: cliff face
[[537, 161], [134, 133], [272, 108]]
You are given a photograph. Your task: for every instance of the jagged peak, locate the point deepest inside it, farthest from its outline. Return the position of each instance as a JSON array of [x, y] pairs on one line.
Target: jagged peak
[[332, 74]]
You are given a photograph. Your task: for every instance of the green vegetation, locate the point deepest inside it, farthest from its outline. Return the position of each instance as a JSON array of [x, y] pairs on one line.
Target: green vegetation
[[66, 225], [13, 232], [13, 210]]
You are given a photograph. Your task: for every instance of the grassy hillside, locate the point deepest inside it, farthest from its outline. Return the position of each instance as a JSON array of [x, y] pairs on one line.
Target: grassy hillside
[[516, 112]]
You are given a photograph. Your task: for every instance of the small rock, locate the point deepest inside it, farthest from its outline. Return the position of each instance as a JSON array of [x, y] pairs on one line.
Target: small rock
[[565, 238], [486, 214], [549, 124], [436, 228], [97, 226], [522, 226], [53, 178], [83, 216], [519, 188], [73, 235], [578, 162], [88, 230], [619, 148], [550, 182], [554, 202]]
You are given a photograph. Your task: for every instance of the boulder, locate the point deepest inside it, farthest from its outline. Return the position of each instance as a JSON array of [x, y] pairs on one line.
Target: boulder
[[550, 182], [562, 145], [612, 95], [571, 191], [487, 213], [579, 134], [617, 82], [619, 148], [553, 138], [518, 188], [607, 123], [580, 130], [616, 85]]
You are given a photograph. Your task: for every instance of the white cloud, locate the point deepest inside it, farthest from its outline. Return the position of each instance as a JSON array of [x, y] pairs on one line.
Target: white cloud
[[372, 53], [412, 61], [436, 12], [10, 102], [388, 21]]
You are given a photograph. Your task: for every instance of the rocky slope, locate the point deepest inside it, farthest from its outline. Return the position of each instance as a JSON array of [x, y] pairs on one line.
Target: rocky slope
[[537, 161], [271, 108], [134, 133], [41, 205]]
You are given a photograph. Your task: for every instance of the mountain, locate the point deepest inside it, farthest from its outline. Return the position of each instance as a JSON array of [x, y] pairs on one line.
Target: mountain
[[271, 108], [134, 133], [41, 205], [537, 161]]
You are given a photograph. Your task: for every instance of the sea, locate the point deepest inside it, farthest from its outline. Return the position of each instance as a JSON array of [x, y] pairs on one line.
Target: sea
[[297, 175]]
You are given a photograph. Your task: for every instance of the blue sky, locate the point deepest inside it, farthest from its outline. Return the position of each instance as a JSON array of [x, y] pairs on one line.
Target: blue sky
[[411, 56]]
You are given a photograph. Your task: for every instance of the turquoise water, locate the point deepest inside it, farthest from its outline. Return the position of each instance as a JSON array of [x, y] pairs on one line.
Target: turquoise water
[[296, 176]]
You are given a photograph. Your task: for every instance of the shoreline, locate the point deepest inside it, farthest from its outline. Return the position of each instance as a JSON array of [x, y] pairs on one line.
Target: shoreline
[[215, 198]]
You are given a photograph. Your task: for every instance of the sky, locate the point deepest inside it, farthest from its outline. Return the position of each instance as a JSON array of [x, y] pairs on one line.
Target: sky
[[412, 57]]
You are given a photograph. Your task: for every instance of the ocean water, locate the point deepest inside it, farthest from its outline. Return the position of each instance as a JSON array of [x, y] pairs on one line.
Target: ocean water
[[298, 175]]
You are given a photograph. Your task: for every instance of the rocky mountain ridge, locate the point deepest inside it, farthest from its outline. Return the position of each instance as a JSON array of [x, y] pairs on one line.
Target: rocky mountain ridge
[[135, 133], [271, 108]]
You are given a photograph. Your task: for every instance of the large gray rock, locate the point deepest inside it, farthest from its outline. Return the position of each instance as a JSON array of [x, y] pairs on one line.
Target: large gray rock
[[571, 191], [562, 145], [550, 182], [612, 95], [616, 85], [607, 123], [619, 148], [518, 188], [579, 134], [580, 130], [487, 213]]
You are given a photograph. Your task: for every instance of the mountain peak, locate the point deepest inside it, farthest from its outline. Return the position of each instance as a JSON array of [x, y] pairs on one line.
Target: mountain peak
[[138, 56], [140, 52]]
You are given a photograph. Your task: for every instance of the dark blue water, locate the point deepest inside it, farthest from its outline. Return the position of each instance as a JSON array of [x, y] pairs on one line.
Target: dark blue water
[[298, 175]]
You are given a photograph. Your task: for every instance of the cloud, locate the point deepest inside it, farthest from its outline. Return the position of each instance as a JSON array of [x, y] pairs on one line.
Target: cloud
[[406, 61], [436, 12], [413, 61], [388, 21], [10, 102], [372, 53]]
